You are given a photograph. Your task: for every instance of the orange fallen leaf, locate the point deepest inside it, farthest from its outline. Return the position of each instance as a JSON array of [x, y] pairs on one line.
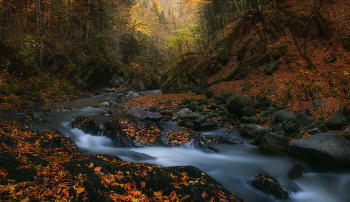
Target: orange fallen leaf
[[80, 190], [128, 186], [97, 169], [143, 184], [204, 194], [91, 165]]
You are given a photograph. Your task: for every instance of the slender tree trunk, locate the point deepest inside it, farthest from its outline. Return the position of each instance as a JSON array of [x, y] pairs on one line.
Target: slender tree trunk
[[88, 22], [295, 38], [69, 18], [39, 29]]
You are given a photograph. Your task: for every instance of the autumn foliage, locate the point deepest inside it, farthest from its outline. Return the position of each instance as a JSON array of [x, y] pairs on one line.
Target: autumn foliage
[[49, 166], [320, 91]]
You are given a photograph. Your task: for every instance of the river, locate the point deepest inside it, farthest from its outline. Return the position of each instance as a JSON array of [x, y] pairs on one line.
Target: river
[[234, 166]]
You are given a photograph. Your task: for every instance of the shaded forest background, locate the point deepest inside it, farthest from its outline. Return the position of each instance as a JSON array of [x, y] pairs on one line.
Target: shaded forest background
[[294, 53]]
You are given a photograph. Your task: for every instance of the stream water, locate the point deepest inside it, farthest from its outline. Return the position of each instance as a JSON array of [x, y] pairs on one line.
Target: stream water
[[234, 166]]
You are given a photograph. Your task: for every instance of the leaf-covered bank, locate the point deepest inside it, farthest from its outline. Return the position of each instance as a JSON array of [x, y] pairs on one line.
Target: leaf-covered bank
[[49, 166]]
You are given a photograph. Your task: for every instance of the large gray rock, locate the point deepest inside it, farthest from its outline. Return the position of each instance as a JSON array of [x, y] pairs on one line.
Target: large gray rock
[[136, 112], [112, 103], [132, 94], [182, 113], [273, 143], [282, 115], [239, 105], [328, 148], [336, 121], [257, 140], [292, 125], [268, 112], [152, 108], [103, 104], [165, 101], [166, 113], [251, 130], [307, 120], [153, 116]]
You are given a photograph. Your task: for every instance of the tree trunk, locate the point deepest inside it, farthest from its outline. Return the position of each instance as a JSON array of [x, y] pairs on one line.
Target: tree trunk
[[88, 22], [321, 22], [295, 37]]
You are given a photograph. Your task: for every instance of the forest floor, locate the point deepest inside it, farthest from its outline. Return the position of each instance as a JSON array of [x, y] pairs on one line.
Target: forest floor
[[328, 84]]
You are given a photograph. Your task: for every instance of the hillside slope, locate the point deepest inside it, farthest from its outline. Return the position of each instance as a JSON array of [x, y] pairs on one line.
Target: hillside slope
[[258, 56]]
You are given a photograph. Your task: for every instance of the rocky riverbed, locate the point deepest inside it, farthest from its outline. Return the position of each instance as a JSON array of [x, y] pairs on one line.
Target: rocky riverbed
[[171, 123]]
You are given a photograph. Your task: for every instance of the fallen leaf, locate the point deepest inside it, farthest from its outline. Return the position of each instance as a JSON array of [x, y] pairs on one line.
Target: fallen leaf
[[143, 184], [204, 194], [80, 190]]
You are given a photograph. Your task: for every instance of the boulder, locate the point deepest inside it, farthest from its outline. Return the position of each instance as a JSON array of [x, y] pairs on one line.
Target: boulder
[[322, 127], [166, 113], [325, 148], [86, 124], [132, 94], [251, 130], [307, 120], [337, 121], [268, 112], [314, 131], [257, 140], [201, 119], [189, 125], [182, 113], [270, 185], [152, 108], [136, 112], [103, 112], [165, 101], [282, 115], [103, 104], [292, 125], [237, 103], [153, 116], [273, 143], [185, 101], [112, 103]]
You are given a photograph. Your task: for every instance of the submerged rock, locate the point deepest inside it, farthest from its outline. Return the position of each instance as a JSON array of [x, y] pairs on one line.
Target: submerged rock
[[270, 185], [295, 171], [86, 124]]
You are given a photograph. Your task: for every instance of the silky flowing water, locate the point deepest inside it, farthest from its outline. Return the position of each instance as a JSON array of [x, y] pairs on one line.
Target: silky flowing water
[[234, 166]]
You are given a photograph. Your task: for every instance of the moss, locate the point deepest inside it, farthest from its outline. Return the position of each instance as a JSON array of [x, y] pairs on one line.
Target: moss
[[171, 80]]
